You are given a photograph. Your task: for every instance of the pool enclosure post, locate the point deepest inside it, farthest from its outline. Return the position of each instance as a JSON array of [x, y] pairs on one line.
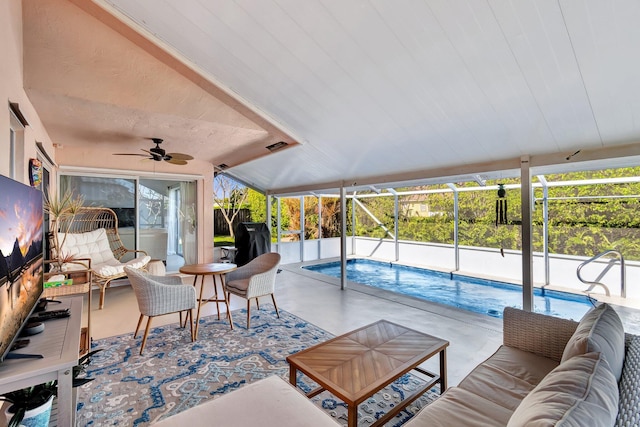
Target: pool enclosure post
[[278, 222], [353, 224], [268, 215], [395, 222], [343, 237], [545, 227], [526, 197], [302, 228], [319, 227], [456, 248]]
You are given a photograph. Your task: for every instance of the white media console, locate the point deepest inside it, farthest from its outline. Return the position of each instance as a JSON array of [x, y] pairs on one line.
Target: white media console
[[59, 345]]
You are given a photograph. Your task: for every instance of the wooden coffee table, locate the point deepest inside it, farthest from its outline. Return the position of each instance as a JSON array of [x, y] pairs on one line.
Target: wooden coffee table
[[356, 365]]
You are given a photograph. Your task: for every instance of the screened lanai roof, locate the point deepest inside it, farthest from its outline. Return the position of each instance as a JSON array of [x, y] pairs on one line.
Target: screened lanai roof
[[362, 92]]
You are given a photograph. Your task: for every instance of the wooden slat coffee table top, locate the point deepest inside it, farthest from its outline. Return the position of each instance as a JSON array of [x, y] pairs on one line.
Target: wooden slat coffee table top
[[355, 365]]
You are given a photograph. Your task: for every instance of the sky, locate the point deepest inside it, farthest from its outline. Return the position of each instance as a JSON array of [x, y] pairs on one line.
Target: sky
[[20, 215]]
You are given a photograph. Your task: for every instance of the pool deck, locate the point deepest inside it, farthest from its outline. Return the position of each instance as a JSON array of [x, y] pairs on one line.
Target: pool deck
[[318, 299]]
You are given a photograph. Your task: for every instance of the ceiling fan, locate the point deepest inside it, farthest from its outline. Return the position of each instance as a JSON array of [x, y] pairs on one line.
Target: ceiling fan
[[158, 154]]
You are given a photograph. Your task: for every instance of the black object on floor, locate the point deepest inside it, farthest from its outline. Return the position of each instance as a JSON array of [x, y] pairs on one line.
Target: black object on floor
[[252, 239]]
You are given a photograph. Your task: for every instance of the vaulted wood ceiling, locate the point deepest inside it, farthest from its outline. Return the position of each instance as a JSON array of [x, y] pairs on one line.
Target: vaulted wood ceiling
[[364, 91]]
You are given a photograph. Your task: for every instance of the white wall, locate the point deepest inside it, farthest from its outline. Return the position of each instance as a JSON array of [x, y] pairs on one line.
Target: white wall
[[12, 90], [290, 251]]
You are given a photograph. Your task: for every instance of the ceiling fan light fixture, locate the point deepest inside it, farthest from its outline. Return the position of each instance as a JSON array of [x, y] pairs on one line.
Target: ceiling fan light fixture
[[159, 154], [157, 150]]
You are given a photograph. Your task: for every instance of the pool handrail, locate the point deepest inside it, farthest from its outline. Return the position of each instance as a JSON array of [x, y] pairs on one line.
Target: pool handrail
[[593, 284]]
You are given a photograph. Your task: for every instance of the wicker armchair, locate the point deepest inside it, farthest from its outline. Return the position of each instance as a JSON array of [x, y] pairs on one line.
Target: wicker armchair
[[160, 295], [93, 234], [253, 280]]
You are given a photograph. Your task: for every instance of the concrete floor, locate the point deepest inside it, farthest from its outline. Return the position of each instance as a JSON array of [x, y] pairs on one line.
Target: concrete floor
[[319, 300]]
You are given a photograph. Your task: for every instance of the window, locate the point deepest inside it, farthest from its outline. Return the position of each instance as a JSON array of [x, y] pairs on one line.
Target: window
[[16, 148]]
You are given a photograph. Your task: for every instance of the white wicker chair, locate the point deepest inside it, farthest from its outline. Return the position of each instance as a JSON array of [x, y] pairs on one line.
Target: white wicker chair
[[159, 295], [254, 280]]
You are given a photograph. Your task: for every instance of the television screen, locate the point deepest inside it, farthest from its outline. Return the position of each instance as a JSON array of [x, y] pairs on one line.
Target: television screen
[[21, 257]]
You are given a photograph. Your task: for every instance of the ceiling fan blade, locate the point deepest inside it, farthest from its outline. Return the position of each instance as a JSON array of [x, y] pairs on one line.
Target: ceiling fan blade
[[174, 161], [129, 154], [180, 156]]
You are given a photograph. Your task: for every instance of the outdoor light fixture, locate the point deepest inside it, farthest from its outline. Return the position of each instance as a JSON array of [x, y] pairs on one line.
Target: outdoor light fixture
[[501, 206]]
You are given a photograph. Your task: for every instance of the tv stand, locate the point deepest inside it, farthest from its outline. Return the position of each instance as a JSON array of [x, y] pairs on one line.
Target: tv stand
[[59, 345]]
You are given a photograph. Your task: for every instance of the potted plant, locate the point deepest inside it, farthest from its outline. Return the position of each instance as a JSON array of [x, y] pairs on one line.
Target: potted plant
[[62, 210], [30, 406], [81, 369]]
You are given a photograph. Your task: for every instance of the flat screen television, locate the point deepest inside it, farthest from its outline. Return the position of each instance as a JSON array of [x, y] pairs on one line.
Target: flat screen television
[[21, 257]]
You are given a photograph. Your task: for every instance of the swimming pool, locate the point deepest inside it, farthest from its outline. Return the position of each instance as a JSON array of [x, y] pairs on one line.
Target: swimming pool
[[473, 294]]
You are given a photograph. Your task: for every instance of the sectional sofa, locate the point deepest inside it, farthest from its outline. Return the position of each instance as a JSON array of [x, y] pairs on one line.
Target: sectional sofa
[[548, 372]]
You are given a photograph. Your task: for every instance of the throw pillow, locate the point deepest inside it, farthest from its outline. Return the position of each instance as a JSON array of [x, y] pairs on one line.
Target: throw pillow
[[579, 392], [599, 330]]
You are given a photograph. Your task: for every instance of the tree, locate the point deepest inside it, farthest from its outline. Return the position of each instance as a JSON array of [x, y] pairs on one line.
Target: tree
[[257, 204], [229, 196]]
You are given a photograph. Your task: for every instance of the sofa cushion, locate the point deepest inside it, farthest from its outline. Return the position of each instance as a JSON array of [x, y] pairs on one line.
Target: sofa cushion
[[461, 408], [599, 330], [580, 392], [507, 376]]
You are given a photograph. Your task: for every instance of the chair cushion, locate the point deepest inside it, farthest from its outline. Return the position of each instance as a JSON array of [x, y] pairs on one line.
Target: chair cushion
[[238, 287], [599, 330], [95, 245], [115, 267], [580, 392], [92, 244]]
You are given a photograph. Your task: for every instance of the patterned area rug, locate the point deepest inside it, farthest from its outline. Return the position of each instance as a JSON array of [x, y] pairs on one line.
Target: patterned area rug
[[175, 374]]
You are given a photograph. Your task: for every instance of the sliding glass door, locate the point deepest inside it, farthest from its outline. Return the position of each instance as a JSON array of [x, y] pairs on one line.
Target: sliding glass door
[[154, 215], [163, 213]]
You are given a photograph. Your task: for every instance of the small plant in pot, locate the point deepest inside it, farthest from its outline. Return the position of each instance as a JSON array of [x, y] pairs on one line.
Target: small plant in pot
[[80, 370], [30, 406]]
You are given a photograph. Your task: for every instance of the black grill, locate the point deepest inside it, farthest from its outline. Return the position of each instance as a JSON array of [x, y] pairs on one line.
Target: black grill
[[252, 239]]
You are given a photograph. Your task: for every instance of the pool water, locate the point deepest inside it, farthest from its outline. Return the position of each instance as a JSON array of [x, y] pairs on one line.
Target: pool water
[[473, 294]]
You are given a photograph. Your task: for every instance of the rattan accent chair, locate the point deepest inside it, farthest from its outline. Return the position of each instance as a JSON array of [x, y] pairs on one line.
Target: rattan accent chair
[[254, 280], [160, 295], [93, 233]]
